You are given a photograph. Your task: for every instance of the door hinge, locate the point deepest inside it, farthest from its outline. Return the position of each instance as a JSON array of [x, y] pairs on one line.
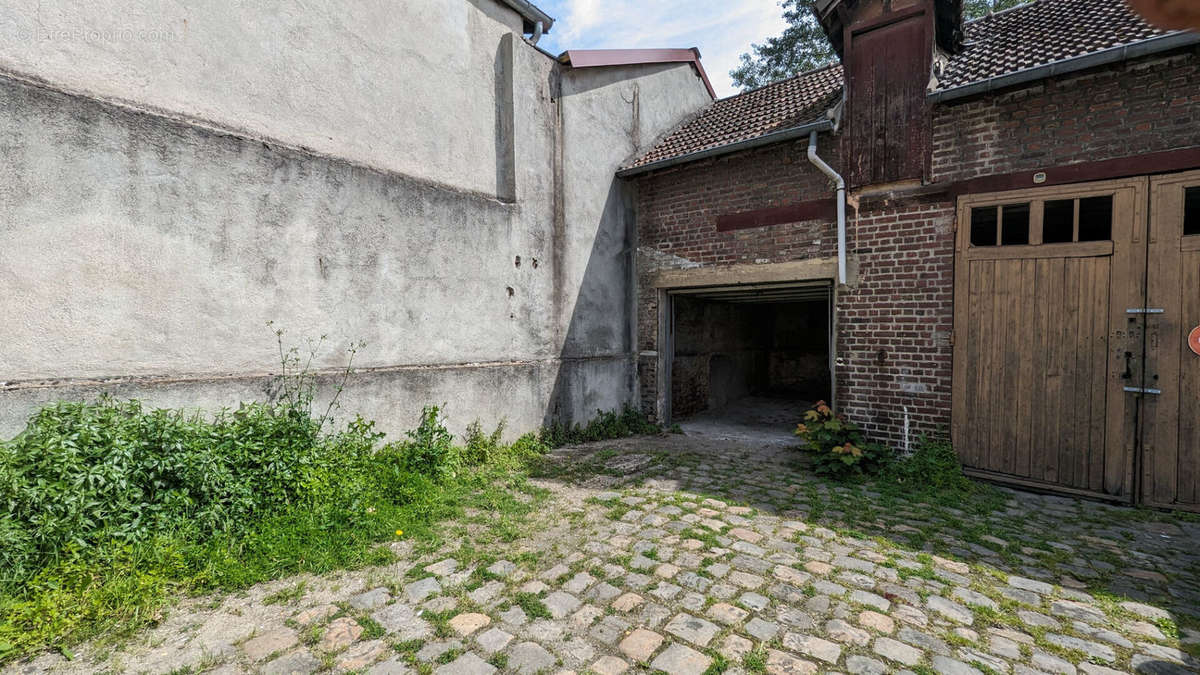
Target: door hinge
[[1142, 390], [1145, 310]]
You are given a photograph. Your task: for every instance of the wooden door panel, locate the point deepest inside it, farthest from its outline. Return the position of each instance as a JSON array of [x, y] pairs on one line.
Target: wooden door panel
[[1038, 334], [1188, 460], [886, 117], [1170, 462], [1040, 337]]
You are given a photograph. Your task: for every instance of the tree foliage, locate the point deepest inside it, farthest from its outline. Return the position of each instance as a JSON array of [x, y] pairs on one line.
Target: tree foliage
[[973, 9], [803, 46]]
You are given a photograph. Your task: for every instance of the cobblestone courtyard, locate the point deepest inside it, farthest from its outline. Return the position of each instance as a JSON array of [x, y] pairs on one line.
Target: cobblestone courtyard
[[687, 555]]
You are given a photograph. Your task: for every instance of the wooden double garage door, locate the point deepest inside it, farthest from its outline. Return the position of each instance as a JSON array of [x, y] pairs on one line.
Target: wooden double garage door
[[1074, 307]]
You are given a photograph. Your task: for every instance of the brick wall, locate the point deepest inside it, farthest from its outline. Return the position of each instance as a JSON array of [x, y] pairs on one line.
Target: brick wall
[[894, 324], [676, 220], [901, 305], [677, 209], [1119, 111]]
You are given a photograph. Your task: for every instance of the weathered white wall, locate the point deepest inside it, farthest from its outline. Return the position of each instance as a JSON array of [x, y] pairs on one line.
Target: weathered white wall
[[609, 115], [405, 86], [142, 252]]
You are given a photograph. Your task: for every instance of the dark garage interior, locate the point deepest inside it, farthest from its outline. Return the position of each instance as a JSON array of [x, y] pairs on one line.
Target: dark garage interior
[[768, 347]]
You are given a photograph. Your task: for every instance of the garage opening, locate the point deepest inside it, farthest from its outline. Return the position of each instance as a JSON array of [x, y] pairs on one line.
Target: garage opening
[[750, 356]]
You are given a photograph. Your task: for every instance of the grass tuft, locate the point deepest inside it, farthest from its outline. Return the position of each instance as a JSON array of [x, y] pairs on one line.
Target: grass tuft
[[533, 607]]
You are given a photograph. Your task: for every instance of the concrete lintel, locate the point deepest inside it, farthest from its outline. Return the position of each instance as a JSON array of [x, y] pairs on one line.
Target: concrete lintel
[[732, 275]]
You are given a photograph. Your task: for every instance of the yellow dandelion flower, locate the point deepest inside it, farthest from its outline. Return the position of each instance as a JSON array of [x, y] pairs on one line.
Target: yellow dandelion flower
[[399, 533]]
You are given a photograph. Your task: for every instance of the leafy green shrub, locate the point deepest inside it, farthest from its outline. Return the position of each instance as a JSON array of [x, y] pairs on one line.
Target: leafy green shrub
[[933, 465], [107, 508], [83, 473], [478, 447], [430, 448], [604, 426], [838, 446], [529, 445], [933, 473]]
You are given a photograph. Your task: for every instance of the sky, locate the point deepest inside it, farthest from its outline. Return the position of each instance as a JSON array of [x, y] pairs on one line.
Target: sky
[[722, 29]]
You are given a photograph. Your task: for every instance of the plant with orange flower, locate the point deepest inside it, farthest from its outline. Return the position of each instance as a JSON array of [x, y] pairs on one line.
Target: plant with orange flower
[[838, 446]]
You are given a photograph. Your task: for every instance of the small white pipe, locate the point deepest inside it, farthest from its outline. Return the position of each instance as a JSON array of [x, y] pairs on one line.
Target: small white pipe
[[841, 202]]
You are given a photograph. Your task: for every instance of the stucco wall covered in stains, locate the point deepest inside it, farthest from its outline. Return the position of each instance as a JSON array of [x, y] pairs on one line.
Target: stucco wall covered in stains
[[481, 251], [403, 86]]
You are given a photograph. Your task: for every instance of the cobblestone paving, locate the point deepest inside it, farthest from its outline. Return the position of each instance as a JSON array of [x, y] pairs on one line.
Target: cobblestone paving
[[685, 556]]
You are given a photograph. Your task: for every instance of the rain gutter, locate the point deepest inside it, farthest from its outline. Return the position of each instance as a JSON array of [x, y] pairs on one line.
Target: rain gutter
[[758, 141], [531, 14]]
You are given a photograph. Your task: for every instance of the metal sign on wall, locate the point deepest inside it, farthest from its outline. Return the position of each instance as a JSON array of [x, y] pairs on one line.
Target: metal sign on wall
[[1194, 339]]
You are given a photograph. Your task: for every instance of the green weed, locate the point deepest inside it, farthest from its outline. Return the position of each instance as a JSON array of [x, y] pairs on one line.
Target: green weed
[[1168, 627], [532, 606], [605, 426], [755, 661], [112, 508], [286, 596]]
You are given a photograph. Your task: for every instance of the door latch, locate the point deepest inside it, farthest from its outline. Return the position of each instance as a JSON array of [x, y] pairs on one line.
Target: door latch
[[1142, 390], [1145, 310]]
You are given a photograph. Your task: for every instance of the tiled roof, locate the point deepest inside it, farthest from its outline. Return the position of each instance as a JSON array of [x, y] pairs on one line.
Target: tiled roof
[[1017, 39], [780, 105], [1042, 32]]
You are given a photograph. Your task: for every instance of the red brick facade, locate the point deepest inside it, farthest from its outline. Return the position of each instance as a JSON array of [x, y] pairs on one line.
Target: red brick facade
[[677, 211], [1119, 111], [894, 322], [893, 326]]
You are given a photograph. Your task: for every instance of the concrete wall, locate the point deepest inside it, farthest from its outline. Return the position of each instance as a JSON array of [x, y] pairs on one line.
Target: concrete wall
[[609, 115], [145, 242], [403, 86]]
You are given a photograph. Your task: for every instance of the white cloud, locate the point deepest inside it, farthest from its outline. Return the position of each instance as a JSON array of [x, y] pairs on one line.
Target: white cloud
[[721, 29]]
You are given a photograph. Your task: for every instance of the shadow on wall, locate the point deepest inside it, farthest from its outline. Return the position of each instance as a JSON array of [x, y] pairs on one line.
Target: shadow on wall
[[596, 312]]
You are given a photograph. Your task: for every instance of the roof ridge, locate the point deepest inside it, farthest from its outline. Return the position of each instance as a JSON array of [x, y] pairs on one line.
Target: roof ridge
[[786, 79]]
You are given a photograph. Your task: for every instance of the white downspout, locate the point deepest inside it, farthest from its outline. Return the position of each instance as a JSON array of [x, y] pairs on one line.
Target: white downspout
[[841, 203]]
